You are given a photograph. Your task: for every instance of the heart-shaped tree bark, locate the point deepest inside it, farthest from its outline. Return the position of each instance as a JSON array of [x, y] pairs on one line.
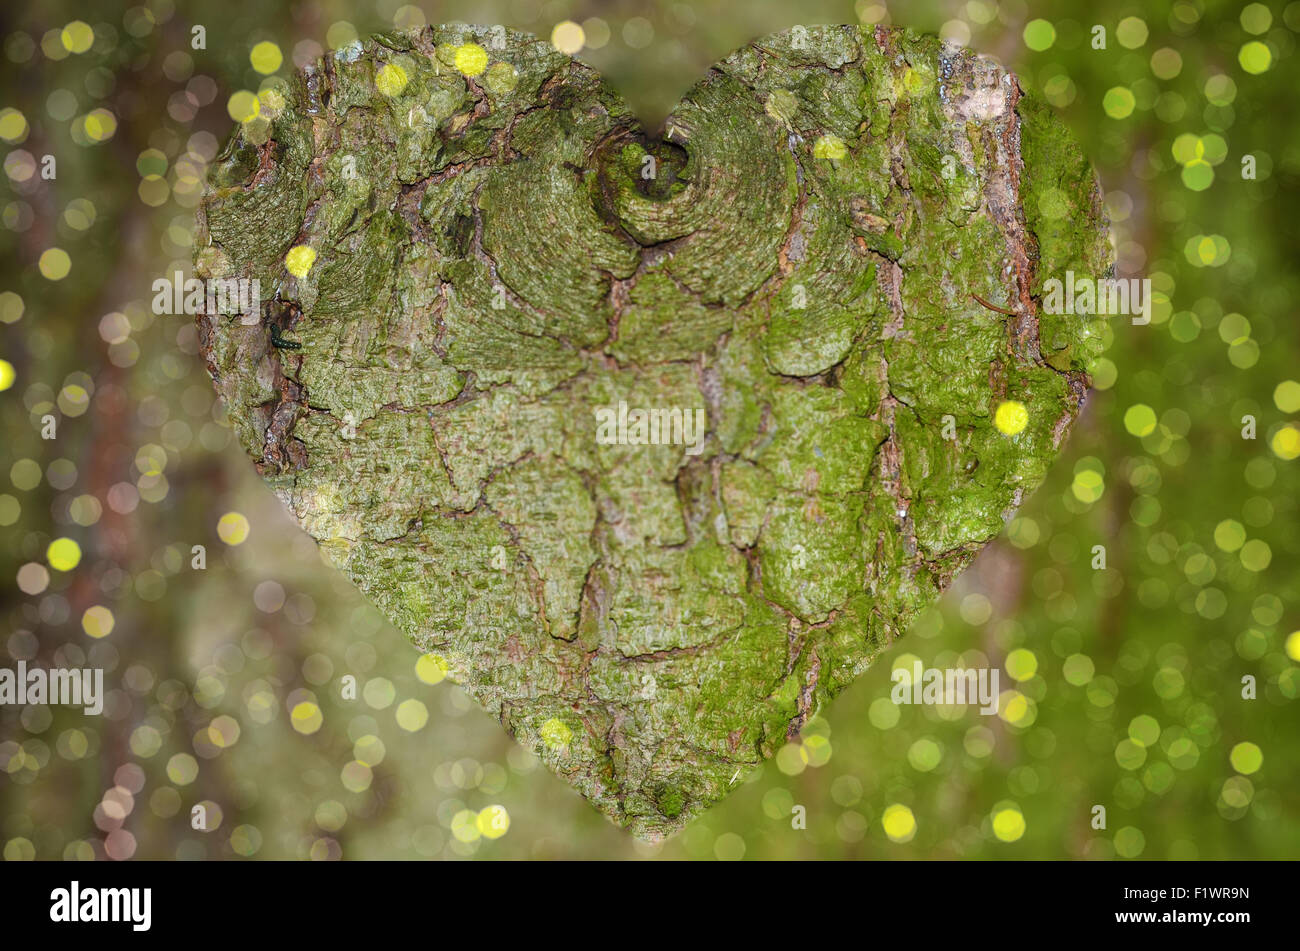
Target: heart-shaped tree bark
[[656, 443]]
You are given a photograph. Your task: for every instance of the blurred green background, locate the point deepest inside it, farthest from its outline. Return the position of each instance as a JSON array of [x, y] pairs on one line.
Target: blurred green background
[[1128, 680]]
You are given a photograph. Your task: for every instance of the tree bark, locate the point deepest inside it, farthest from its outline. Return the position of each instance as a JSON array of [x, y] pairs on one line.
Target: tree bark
[[835, 252]]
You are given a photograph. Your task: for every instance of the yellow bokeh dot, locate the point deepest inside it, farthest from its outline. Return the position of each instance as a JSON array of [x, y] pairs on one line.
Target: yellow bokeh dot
[[815, 751], [19, 165], [245, 840], [98, 621], [412, 715], [10, 509], [905, 663], [1293, 645], [55, 264], [899, 823], [266, 57], [11, 307], [464, 826], [1014, 706], [1229, 535], [1119, 102], [233, 528], [1287, 396], [75, 742], [1039, 35], [77, 36], [1008, 824], [1022, 664], [74, 400], [100, 125], [493, 822], [1256, 18], [1011, 417], [379, 693], [145, 741], [1256, 555], [830, 147], [471, 59], [391, 79], [243, 106], [1088, 486], [19, 849], [1286, 442], [1246, 758], [182, 769], [223, 732], [791, 759], [64, 554], [1255, 57], [568, 37], [1132, 32], [13, 125], [7, 375], [151, 459], [306, 717], [1140, 419], [300, 259], [25, 474], [431, 668]]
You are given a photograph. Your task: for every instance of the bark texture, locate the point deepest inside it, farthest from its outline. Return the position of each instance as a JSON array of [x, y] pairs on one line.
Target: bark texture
[[843, 242]]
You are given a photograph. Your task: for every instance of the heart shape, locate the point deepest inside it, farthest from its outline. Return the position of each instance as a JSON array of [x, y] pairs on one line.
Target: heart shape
[[655, 444]]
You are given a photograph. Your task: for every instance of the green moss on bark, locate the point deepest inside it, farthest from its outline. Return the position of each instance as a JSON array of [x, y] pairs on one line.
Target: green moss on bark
[[493, 268]]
